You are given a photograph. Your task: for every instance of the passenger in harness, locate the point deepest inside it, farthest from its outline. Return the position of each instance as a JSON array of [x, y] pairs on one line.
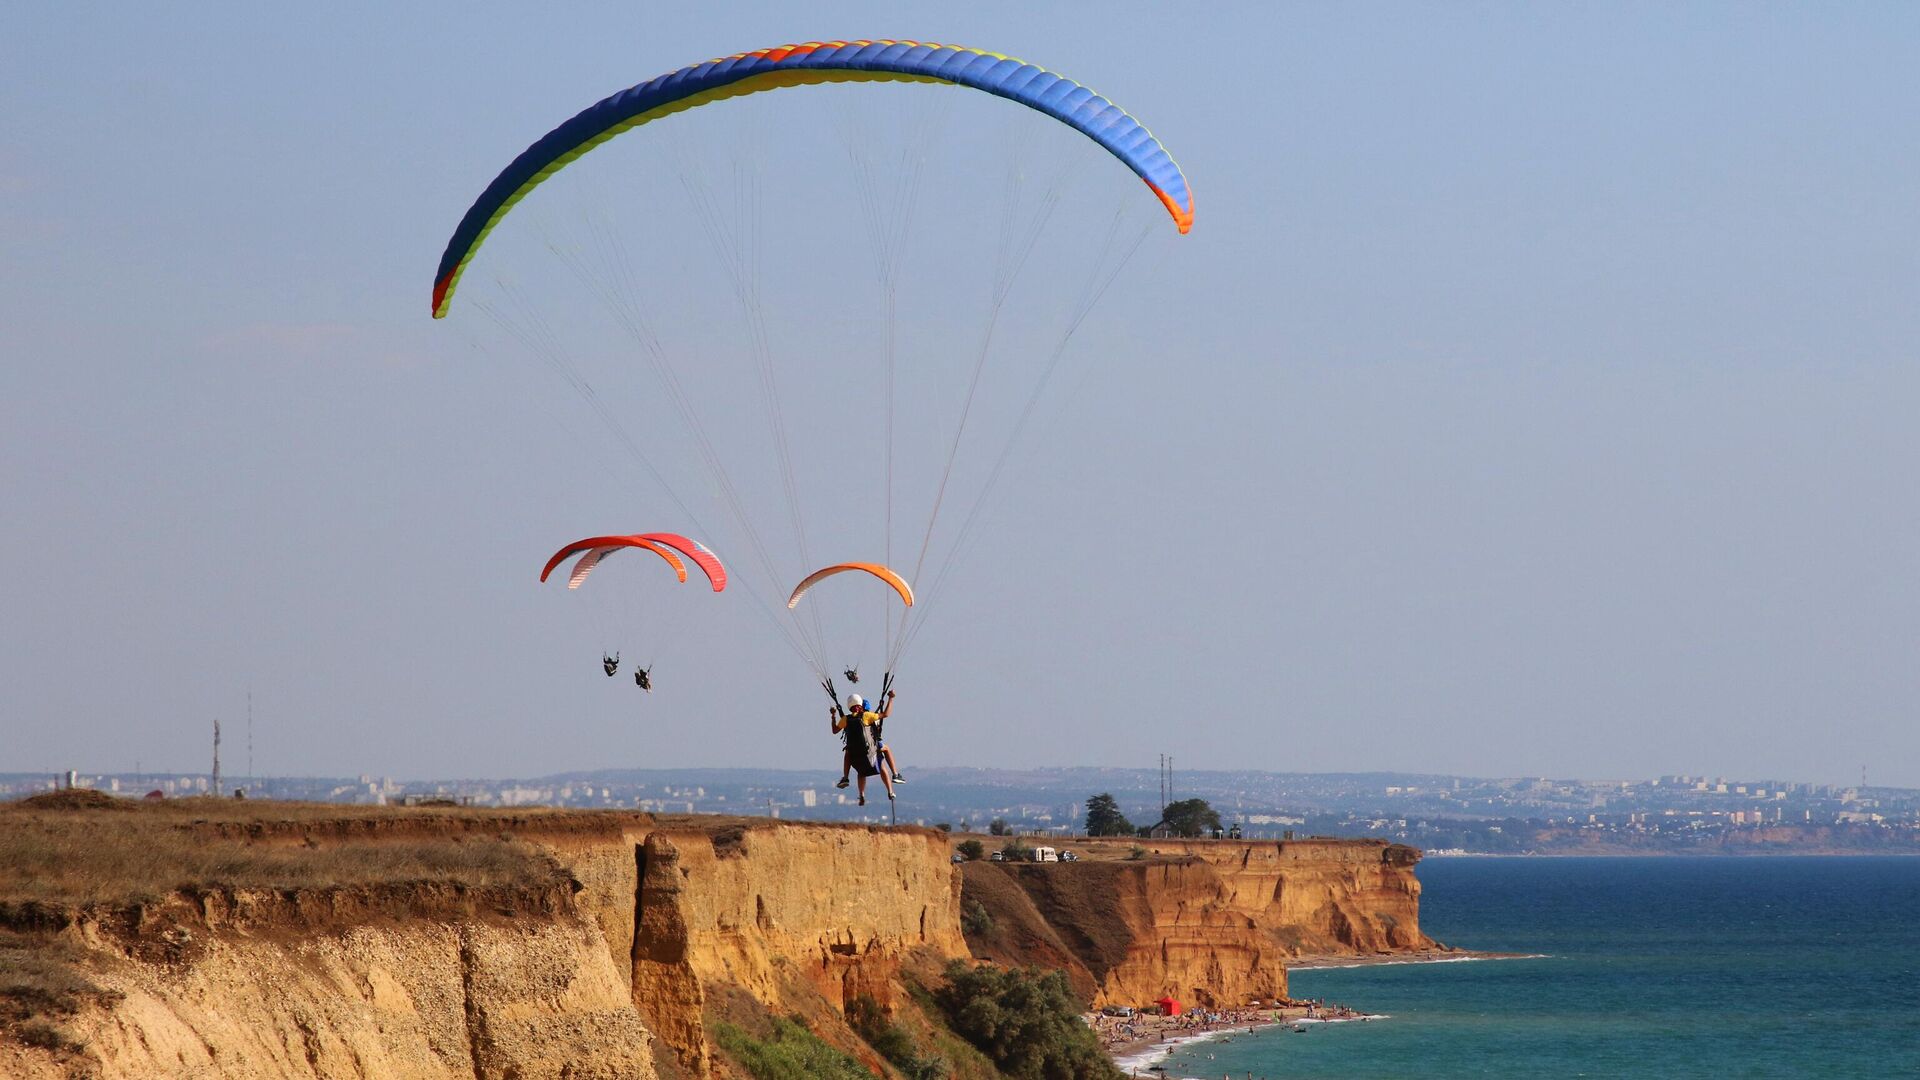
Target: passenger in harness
[[858, 756]]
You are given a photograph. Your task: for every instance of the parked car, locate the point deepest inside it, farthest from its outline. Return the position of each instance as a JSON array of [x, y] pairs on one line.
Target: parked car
[[1068, 856], [957, 857], [997, 857]]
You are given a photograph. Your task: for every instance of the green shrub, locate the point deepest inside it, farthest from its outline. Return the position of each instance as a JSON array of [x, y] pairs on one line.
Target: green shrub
[[791, 1053], [1027, 1022], [975, 918], [892, 1042], [972, 849], [1015, 851]]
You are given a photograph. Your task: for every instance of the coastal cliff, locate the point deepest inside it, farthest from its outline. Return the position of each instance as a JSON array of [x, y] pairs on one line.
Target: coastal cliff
[[1210, 922], [390, 981], [329, 942]]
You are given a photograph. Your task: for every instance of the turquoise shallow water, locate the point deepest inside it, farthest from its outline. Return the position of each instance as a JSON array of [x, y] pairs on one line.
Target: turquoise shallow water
[[1786, 967]]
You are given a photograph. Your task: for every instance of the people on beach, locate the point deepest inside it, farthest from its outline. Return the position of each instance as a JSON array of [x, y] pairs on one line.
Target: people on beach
[[1136, 1038]]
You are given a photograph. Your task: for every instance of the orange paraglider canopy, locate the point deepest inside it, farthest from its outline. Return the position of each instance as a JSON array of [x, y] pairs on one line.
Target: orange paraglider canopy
[[883, 573]]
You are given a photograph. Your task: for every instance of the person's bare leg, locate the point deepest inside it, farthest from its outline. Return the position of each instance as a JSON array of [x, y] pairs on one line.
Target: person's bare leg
[[863, 789]]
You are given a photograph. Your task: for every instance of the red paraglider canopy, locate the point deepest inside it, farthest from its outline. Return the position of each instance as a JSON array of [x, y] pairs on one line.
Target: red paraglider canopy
[[597, 548], [700, 553]]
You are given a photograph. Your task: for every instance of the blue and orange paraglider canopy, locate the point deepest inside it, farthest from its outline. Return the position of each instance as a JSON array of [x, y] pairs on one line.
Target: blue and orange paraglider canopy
[[800, 65]]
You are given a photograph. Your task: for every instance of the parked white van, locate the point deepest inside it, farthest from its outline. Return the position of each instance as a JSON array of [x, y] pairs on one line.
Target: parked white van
[[1045, 854]]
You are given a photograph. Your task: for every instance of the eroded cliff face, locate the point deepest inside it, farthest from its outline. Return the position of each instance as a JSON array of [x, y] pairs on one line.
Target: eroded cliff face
[[783, 911], [637, 933], [631, 935], [1210, 922], [328, 983], [469, 1000]]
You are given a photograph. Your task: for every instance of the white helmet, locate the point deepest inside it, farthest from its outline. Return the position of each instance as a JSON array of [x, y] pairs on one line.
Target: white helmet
[[855, 701]]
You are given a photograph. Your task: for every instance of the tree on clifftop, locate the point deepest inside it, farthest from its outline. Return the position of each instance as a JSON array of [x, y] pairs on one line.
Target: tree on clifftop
[[1191, 817], [1104, 817]]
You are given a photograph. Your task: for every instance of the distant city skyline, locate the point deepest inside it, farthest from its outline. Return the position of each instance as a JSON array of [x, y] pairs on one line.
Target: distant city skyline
[[1447, 814]]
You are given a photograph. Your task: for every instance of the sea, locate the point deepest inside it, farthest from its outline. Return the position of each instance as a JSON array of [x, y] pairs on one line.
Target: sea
[[1643, 967]]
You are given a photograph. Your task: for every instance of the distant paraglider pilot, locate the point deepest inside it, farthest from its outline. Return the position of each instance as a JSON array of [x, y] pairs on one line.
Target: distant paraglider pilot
[[610, 664], [643, 678], [860, 754]]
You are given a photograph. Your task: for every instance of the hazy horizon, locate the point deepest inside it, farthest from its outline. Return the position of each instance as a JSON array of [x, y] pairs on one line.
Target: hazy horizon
[[1533, 397]]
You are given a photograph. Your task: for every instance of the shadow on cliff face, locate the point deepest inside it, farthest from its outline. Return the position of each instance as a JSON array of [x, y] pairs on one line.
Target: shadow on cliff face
[[1002, 923], [1071, 918], [44, 981]]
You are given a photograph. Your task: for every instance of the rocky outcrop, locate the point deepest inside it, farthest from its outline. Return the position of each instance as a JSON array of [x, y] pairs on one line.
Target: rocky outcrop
[[768, 910], [1209, 922]]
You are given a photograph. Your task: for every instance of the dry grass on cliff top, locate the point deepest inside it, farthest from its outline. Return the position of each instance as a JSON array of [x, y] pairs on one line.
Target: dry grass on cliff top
[[84, 848]]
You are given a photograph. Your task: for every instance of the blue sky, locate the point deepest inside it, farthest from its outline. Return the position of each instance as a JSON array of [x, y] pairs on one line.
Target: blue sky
[[1533, 396]]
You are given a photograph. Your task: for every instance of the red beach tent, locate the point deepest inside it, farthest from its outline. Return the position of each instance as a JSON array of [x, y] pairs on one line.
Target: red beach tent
[[1168, 1006]]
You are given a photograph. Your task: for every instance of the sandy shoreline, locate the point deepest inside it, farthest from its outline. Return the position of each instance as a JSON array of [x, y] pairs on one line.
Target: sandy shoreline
[[1159, 1036], [1136, 1043], [1431, 956]]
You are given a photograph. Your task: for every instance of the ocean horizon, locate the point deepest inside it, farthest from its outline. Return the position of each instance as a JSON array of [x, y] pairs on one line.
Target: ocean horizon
[[1634, 967]]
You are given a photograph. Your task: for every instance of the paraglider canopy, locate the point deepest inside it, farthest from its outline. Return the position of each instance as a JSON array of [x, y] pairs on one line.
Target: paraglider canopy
[[702, 555], [662, 544], [798, 65], [898, 583], [598, 548]]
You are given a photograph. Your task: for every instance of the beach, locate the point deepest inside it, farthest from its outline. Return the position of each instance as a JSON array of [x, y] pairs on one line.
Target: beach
[[1137, 1042], [1431, 956]]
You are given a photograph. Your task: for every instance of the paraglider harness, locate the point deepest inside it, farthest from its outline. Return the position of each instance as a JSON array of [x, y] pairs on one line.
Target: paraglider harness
[[878, 739], [643, 678], [610, 663]]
